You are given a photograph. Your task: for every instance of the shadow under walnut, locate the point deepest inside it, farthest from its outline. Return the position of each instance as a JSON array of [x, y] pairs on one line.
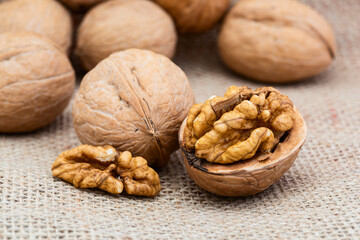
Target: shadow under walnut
[[247, 177]]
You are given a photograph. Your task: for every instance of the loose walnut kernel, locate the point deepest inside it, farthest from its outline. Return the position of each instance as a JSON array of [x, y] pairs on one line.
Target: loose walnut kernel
[[89, 167], [237, 126], [139, 179], [99, 167]]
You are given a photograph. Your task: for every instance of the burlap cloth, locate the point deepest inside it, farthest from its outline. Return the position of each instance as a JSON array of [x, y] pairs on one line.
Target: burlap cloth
[[317, 198]]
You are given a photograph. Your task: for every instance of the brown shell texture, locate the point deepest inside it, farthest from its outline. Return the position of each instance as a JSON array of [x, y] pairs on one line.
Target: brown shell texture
[[245, 178], [195, 16], [119, 25], [46, 17], [276, 41], [134, 100], [79, 5], [36, 81]]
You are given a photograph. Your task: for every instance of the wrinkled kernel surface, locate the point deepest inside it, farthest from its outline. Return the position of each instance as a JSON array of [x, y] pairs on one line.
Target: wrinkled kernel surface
[[139, 179], [102, 167], [240, 124]]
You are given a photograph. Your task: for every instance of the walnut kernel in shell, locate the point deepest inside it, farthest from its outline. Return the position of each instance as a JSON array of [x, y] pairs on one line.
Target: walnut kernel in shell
[[134, 100], [36, 81], [276, 41], [119, 25], [46, 17], [251, 139]]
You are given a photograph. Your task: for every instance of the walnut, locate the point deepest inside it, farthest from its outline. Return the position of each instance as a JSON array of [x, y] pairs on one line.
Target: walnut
[[81, 5], [119, 25], [99, 167], [134, 100], [36, 81], [195, 16], [276, 41], [46, 17], [243, 142]]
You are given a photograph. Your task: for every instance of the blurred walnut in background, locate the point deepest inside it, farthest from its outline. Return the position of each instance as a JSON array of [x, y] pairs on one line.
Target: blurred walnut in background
[[36, 81], [46, 17], [195, 16], [118, 25], [79, 5], [276, 41]]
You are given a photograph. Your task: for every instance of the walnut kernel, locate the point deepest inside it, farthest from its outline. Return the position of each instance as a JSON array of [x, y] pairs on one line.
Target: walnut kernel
[[233, 128], [99, 167]]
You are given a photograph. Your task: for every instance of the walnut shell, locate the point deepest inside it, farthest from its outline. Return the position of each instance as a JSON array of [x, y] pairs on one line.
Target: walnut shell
[[36, 81], [80, 5], [195, 16], [134, 100], [245, 178], [119, 25], [276, 41], [46, 17]]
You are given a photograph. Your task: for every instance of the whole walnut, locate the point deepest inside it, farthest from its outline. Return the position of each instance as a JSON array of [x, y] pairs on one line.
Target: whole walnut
[[276, 41], [79, 5], [119, 25], [36, 81], [195, 16], [134, 100], [46, 17]]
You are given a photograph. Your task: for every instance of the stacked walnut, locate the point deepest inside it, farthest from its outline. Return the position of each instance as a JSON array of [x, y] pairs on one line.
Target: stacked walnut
[[134, 98]]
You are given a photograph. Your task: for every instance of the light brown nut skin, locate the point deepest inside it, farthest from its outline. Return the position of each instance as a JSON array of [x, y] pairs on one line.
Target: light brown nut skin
[[276, 41], [134, 100], [46, 17], [245, 178], [81, 5], [36, 81], [195, 16], [119, 25], [99, 167]]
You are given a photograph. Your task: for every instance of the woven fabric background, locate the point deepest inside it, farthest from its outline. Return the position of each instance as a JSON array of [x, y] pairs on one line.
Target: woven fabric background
[[319, 197]]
